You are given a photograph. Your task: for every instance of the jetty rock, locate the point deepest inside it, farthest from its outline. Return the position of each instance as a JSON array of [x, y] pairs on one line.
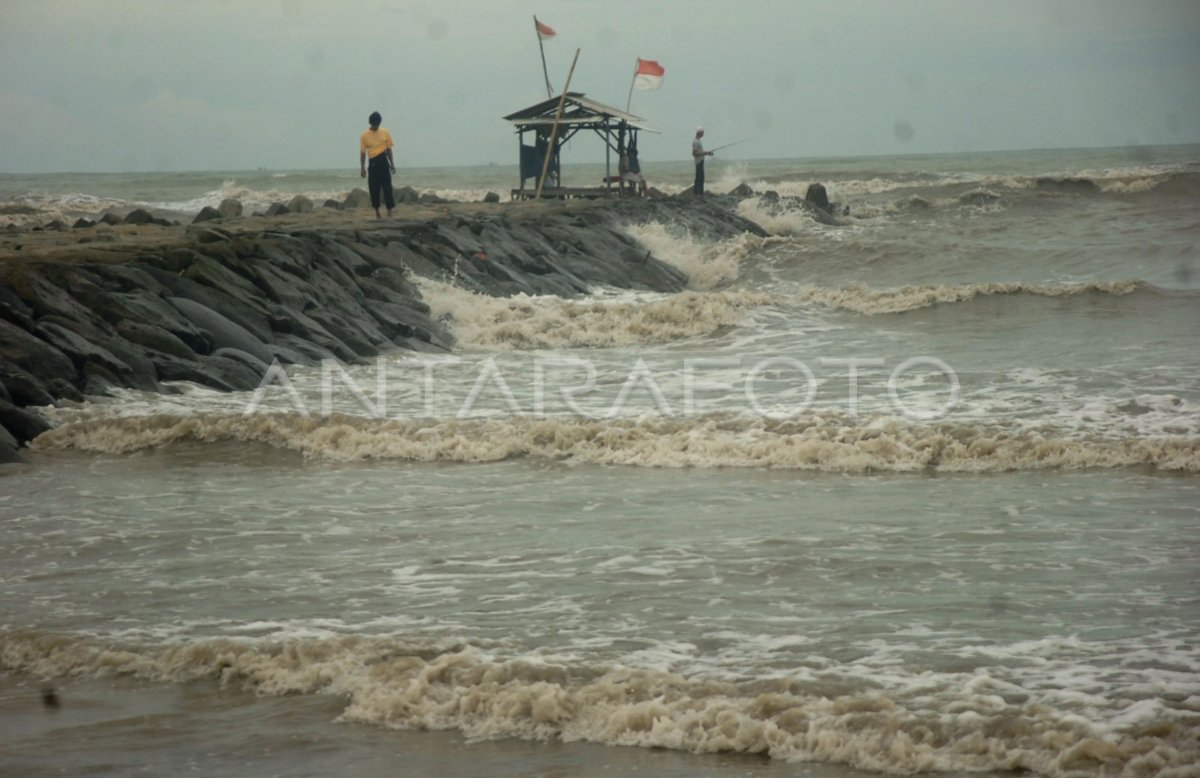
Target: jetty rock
[[217, 306]]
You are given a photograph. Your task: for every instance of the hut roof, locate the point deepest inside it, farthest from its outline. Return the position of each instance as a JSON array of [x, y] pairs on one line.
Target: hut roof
[[578, 110]]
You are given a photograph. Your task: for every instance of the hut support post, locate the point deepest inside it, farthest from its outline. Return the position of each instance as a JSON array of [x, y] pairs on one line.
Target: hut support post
[[554, 130]]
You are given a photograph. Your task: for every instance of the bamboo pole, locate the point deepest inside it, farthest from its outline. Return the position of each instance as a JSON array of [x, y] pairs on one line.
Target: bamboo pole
[[632, 81], [542, 49], [550, 152]]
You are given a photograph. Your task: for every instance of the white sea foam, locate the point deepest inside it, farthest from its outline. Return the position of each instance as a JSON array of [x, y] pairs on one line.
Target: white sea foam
[[825, 441], [708, 265], [902, 724], [524, 322], [860, 298]]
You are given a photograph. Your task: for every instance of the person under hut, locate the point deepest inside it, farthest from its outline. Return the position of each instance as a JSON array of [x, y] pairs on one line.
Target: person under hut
[[630, 170]]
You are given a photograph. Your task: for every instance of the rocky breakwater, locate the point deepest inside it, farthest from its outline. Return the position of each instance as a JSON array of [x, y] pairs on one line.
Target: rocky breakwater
[[216, 303]]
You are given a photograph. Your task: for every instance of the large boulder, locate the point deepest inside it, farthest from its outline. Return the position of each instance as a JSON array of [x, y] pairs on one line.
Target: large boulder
[[22, 388], [406, 194], [225, 333], [139, 216], [8, 447], [491, 197], [156, 309], [24, 425], [230, 208], [207, 214], [742, 190], [277, 209], [153, 337], [34, 355], [358, 198], [817, 197], [300, 204]]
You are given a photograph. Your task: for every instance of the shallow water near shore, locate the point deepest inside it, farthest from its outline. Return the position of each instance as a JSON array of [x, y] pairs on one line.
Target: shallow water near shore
[[668, 534]]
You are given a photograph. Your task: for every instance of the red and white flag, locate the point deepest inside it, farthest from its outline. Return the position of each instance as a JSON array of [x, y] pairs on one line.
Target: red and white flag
[[544, 31], [649, 74]]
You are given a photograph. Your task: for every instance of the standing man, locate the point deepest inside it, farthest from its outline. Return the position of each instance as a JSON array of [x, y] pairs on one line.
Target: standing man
[[376, 144], [698, 155]]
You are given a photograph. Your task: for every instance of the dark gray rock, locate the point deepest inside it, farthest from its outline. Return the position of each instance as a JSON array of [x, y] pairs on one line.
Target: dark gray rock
[[173, 369], [22, 424], [406, 194], [817, 197], [277, 209], [742, 190], [358, 198], [151, 308], [233, 372], [207, 213], [82, 223], [225, 333], [45, 296], [230, 208], [110, 219], [300, 204], [23, 389], [34, 355], [152, 337], [13, 309], [249, 360], [492, 197], [334, 205], [80, 349], [9, 447], [213, 285], [139, 216]]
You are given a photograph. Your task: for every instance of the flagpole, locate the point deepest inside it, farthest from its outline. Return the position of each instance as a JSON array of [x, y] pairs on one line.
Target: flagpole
[[632, 81], [550, 152], [542, 49]]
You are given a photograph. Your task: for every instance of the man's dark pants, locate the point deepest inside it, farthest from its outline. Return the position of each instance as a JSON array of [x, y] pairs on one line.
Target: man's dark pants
[[379, 180], [698, 187]]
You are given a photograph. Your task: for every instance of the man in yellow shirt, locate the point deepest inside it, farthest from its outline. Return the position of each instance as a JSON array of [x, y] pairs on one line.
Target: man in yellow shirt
[[376, 145]]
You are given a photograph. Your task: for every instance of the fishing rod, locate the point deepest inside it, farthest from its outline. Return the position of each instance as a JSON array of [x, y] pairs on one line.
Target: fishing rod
[[727, 145]]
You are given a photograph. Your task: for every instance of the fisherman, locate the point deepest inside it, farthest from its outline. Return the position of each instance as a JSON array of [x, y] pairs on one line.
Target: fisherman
[[637, 182], [376, 144], [698, 155]]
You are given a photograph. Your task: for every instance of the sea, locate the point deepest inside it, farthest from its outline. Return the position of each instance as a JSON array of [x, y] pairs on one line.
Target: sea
[[913, 492]]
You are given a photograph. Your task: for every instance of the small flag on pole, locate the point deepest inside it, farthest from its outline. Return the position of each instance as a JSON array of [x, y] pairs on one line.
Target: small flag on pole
[[649, 74], [544, 31]]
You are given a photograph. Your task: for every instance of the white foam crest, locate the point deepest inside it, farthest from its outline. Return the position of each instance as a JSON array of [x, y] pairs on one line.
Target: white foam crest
[[951, 722], [825, 441], [525, 322], [464, 195], [707, 265], [251, 199], [778, 218], [860, 298]]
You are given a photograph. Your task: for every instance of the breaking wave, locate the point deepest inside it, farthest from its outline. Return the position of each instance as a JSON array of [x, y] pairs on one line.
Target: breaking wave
[[987, 720], [825, 441], [524, 322], [860, 298], [707, 265]]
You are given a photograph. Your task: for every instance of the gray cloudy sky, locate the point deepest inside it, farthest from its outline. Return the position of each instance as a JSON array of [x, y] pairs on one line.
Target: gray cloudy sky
[[110, 85]]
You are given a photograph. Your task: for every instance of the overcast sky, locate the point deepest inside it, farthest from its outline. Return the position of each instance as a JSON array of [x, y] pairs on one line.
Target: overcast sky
[[112, 85]]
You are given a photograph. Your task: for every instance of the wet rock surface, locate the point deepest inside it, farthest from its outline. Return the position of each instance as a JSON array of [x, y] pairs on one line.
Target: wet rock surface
[[216, 306]]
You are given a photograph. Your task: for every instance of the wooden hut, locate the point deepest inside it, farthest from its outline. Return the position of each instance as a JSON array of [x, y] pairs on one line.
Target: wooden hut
[[618, 129]]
